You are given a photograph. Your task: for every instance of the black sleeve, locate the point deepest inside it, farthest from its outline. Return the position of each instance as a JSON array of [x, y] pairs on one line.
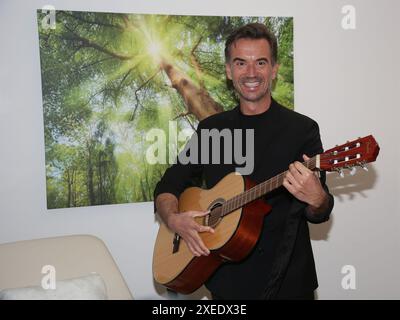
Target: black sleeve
[[312, 147], [180, 176]]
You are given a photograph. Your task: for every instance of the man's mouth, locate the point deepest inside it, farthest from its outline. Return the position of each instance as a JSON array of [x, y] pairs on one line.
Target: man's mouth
[[251, 84]]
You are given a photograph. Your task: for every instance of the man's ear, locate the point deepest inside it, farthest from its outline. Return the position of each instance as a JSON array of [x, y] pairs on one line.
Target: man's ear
[[228, 71], [275, 69]]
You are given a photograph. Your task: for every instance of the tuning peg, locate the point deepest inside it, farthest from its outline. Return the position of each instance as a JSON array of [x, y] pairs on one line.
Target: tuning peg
[[364, 167], [341, 173], [353, 171]]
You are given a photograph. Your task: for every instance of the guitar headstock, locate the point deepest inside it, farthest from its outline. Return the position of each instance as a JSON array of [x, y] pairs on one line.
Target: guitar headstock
[[349, 155]]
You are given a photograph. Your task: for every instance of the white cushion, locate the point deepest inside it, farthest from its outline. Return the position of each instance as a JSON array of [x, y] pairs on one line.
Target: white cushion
[[91, 287]]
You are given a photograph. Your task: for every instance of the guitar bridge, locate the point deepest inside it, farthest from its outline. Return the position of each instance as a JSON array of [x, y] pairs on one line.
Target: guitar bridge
[[175, 242]]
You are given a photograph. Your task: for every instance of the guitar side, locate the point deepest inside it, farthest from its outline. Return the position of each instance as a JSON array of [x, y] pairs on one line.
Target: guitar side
[[234, 236]]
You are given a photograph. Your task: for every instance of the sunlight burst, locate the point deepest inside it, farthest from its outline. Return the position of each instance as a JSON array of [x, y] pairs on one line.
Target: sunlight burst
[[154, 48]]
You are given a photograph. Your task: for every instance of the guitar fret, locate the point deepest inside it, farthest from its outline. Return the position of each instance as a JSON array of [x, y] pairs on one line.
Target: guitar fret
[[257, 191]]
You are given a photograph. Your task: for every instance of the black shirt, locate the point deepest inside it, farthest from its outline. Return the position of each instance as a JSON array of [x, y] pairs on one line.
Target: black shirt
[[281, 136]]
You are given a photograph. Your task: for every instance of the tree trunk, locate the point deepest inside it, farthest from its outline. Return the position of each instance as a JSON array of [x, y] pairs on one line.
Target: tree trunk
[[143, 189], [74, 191], [100, 167], [197, 100], [69, 188], [92, 198]]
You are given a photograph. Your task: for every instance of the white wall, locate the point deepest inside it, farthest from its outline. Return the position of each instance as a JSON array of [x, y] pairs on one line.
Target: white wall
[[346, 80]]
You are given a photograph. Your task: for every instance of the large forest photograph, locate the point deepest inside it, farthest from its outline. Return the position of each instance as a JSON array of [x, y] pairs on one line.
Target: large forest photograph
[[109, 79]]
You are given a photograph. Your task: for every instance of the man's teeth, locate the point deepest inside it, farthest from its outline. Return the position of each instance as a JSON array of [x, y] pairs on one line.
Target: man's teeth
[[251, 84]]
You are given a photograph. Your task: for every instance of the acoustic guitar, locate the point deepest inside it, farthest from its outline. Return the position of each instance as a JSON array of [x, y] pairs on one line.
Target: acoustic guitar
[[236, 214]]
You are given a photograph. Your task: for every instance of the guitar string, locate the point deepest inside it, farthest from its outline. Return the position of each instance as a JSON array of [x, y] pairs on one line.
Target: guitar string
[[253, 193], [229, 187]]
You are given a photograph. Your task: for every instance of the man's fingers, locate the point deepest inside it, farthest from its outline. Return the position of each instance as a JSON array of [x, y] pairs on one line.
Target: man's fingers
[[288, 186], [200, 241], [200, 244], [301, 168], [192, 238], [305, 157], [196, 245], [192, 249], [199, 213], [292, 180], [295, 172], [206, 229]]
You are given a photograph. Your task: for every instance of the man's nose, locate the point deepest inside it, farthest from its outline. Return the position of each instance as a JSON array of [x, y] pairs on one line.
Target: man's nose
[[251, 70]]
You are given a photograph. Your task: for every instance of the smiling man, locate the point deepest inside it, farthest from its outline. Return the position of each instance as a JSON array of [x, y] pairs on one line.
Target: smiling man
[[281, 266], [251, 67]]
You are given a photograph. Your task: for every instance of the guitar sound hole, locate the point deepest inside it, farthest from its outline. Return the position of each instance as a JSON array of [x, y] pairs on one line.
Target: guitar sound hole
[[214, 217]]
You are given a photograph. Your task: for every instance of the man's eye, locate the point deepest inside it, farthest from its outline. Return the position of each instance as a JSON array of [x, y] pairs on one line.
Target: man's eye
[[240, 63], [262, 63]]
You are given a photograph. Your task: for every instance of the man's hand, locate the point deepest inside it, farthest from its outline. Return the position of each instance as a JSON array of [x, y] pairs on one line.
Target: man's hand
[[303, 183], [184, 224]]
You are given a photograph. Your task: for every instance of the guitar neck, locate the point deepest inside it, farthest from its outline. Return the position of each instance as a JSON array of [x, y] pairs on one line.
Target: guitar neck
[[261, 189]]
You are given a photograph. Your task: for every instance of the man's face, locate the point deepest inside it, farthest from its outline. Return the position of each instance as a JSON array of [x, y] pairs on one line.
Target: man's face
[[250, 69]]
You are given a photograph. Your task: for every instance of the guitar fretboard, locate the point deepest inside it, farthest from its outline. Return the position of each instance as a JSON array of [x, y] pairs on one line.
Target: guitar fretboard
[[259, 190]]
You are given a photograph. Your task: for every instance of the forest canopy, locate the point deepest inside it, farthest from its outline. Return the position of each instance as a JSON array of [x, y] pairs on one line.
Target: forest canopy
[[109, 78]]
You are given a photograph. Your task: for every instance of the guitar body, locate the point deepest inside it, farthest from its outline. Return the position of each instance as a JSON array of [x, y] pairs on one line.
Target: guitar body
[[235, 236]]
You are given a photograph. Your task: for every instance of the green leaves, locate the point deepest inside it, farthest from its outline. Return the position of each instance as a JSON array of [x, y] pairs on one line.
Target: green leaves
[[104, 88]]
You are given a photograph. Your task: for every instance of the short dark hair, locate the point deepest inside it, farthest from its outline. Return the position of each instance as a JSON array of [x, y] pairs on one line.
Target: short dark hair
[[253, 31]]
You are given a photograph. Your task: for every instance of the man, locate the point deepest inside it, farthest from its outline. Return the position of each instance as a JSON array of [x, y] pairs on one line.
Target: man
[[281, 266]]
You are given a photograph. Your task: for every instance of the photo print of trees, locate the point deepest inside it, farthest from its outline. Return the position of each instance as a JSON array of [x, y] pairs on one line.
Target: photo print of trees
[[108, 79]]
